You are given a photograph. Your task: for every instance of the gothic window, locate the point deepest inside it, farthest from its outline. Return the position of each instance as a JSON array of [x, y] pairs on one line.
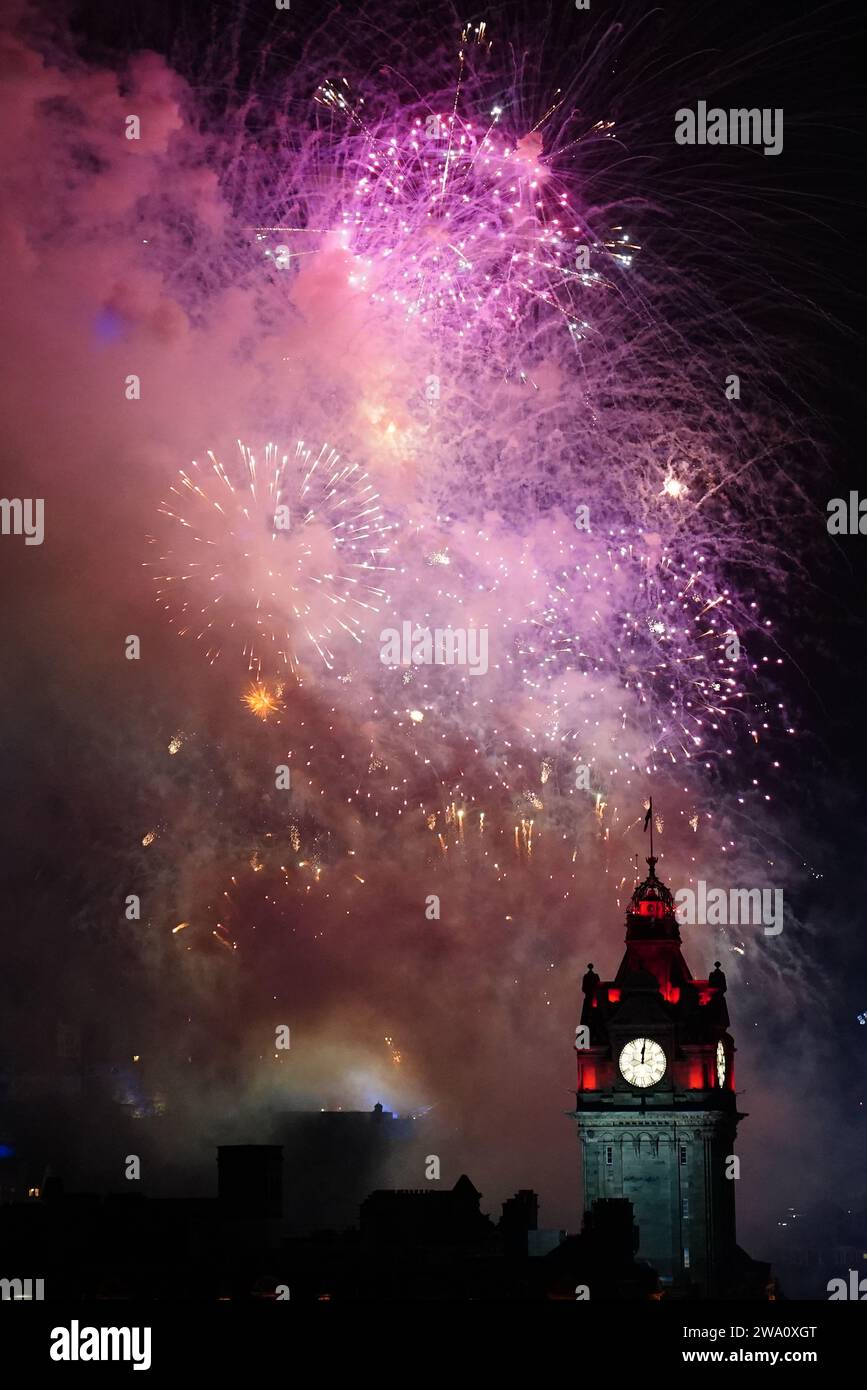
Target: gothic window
[[609, 1154]]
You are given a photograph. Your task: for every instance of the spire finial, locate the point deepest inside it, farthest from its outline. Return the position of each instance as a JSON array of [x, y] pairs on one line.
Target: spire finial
[[648, 821]]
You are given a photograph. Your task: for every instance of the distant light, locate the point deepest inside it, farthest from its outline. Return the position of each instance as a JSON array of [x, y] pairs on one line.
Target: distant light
[[416, 716]]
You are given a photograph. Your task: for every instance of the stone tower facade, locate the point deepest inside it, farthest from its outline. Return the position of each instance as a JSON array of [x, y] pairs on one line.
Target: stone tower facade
[[656, 1108]]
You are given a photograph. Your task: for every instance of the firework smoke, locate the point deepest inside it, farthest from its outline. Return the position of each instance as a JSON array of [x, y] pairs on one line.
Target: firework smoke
[[465, 275]]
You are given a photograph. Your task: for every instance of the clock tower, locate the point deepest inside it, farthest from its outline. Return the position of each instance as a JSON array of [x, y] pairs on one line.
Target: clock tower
[[656, 1108]]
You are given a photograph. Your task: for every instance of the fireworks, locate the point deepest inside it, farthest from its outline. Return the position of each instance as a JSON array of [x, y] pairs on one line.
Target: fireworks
[[290, 551], [449, 215], [261, 701], [454, 279], [673, 487], [498, 287]]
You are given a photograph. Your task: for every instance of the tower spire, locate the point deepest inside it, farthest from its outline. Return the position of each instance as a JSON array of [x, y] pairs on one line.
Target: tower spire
[[648, 821], [653, 1050]]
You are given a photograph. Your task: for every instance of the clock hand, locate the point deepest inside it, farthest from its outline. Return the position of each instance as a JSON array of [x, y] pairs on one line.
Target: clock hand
[[643, 1046]]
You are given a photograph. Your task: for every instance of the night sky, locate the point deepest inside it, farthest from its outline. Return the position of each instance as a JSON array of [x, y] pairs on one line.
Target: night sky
[[414, 256]]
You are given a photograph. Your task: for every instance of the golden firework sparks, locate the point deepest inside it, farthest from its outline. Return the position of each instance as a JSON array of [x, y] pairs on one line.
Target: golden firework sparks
[[261, 700]]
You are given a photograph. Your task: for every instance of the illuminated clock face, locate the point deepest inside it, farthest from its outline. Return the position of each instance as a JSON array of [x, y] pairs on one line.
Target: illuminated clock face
[[642, 1062], [720, 1063]]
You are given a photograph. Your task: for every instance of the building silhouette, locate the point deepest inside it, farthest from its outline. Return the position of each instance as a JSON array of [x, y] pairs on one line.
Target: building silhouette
[[431, 1244], [334, 1158]]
